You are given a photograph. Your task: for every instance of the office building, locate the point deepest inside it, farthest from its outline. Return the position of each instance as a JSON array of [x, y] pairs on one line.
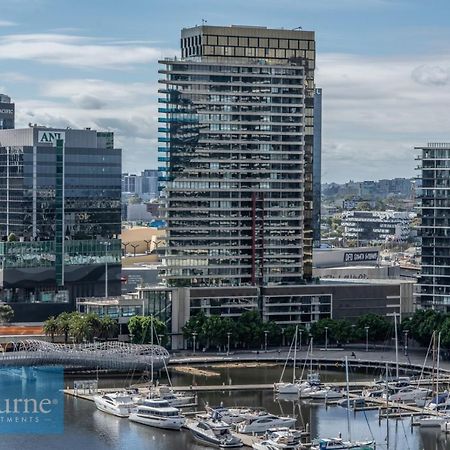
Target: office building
[[7, 114], [59, 218], [237, 131], [377, 227], [434, 203], [144, 185]]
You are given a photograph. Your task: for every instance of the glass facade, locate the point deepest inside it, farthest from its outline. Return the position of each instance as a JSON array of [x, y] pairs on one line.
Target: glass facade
[[60, 206], [234, 139], [434, 202]]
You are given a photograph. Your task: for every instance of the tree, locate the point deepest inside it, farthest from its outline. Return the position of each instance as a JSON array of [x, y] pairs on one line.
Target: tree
[[6, 313], [63, 321], [140, 327], [109, 328], [379, 327], [51, 327]]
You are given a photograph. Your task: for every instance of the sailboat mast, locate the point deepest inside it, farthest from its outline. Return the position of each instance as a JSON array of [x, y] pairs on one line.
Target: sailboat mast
[[295, 353], [348, 399], [396, 345], [437, 367], [152, 350]]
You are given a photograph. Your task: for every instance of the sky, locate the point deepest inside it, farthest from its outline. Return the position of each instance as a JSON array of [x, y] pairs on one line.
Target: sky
[[383, 65]]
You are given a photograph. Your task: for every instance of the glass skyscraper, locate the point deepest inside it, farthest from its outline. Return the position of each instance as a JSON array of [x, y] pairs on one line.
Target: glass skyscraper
[[237, 131], [433, 289], [60, 193]]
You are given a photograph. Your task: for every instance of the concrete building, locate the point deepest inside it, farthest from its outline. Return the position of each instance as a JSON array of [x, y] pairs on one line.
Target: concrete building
[[237, 130], [377, 227], [59, 218], [7, 113], [434, 204]]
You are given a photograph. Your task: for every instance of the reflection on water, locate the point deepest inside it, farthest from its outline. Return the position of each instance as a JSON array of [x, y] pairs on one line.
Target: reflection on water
[[89, 429]]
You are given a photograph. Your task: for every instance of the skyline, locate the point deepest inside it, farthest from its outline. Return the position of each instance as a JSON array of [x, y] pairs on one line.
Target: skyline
[[383, 67]]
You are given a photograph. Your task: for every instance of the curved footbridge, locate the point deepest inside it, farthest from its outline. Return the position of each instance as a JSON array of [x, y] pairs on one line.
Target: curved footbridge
[[102, 355]]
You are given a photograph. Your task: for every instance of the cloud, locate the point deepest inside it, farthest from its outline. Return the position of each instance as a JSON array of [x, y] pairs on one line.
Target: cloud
[[7, 23], [431, 75], [376, 109], [77, 51]]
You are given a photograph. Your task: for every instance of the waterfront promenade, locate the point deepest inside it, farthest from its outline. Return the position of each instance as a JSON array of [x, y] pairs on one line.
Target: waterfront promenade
[[377, 357]]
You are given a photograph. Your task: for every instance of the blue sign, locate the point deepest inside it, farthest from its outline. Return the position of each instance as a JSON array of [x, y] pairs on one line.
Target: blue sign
[[31, 400]]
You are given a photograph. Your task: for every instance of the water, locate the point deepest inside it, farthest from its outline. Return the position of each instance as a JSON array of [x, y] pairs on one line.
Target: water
[[89, 429]]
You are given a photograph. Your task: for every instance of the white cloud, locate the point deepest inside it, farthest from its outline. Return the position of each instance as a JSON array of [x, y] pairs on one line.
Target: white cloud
[[7, 23], [375, 109], [77, 51]]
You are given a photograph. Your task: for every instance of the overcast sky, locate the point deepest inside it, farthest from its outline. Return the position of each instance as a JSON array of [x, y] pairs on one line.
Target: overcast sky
[[384, 66]]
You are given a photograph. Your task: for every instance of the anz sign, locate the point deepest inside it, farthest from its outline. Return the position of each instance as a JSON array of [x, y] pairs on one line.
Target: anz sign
[[50, 137]]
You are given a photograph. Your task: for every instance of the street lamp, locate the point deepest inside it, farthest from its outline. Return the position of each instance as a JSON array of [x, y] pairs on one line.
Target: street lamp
[[311, 342], [228, 342], [326, 338], [160, 338], [194, 335], [106, 244], [265, 340], [300, 343], [367, 338], [282, 337], [406, 342]]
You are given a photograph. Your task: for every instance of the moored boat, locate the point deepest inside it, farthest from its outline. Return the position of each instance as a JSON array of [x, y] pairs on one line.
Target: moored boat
[[158, 413], [117, 404], [214, 433]]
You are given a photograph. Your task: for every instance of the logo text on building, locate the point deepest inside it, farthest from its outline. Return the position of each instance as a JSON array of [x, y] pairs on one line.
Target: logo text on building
[[50, 137]]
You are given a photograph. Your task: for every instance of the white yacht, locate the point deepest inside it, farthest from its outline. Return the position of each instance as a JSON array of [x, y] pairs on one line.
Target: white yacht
[[326, 394], [409, 394], [340, 444], [299, 387], [280, 439], [158, 413], [215, 433], [264, 422], [175, 399], [117, 404], [427, 421], [233, 415]]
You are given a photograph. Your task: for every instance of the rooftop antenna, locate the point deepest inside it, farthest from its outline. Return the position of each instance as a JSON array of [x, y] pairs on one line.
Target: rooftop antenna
[[298, 28], [204, 21]]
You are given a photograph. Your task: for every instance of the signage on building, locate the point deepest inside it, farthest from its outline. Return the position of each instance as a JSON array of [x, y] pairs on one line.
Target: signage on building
[[371, 256], [6, 111], [50, 137]]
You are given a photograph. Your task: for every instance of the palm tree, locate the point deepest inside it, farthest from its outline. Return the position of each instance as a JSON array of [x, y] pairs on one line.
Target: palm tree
[[51, 327], [63, 321], [109, 327]]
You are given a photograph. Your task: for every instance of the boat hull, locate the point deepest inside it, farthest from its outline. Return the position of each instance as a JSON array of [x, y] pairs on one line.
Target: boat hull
[[166, 423]]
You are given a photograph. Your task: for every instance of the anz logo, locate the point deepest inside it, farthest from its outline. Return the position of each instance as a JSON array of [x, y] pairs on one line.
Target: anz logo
[[50, 137]]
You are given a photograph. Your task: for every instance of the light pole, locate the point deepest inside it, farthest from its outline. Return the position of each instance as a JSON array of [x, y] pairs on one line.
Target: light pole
[[106, 244], [406, 342], [228, 342], [265, 340], [326, 338], [367, 338], [282, 337], [300, 343], [194, 335], [311, 342]]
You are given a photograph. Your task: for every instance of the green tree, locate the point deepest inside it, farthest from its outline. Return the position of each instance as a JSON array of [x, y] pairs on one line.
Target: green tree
[[141, 329], [195, 324], [63, 322], [379, 327], [6, 313], [109, 328], [51, 327]]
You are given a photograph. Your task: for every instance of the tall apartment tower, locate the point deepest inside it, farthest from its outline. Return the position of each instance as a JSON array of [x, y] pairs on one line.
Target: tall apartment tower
[[7, 113], [237, 124], [433, 288], [317, 166]]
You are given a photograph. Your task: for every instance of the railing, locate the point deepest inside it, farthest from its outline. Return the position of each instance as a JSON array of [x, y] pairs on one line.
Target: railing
[[105, 355]]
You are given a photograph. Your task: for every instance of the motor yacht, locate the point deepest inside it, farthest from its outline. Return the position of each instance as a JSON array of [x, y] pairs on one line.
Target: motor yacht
[[158, 413], [233, 415], [215, 433], [326, 394], [264, 422], [340, 444], [409, 394], [117, 404], [280, 439]]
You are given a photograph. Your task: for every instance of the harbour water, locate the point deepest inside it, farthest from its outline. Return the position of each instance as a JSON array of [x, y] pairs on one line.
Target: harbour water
[[89, 429]]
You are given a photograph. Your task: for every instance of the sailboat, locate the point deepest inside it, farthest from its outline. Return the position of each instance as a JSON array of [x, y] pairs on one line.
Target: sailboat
[[297, 387], [338, 443]]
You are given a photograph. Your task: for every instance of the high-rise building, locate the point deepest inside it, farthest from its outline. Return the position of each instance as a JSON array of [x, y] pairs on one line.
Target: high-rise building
[[237, 124], [7, 114], [433, 290], [59, 218], [317, 166], [144, 185]]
